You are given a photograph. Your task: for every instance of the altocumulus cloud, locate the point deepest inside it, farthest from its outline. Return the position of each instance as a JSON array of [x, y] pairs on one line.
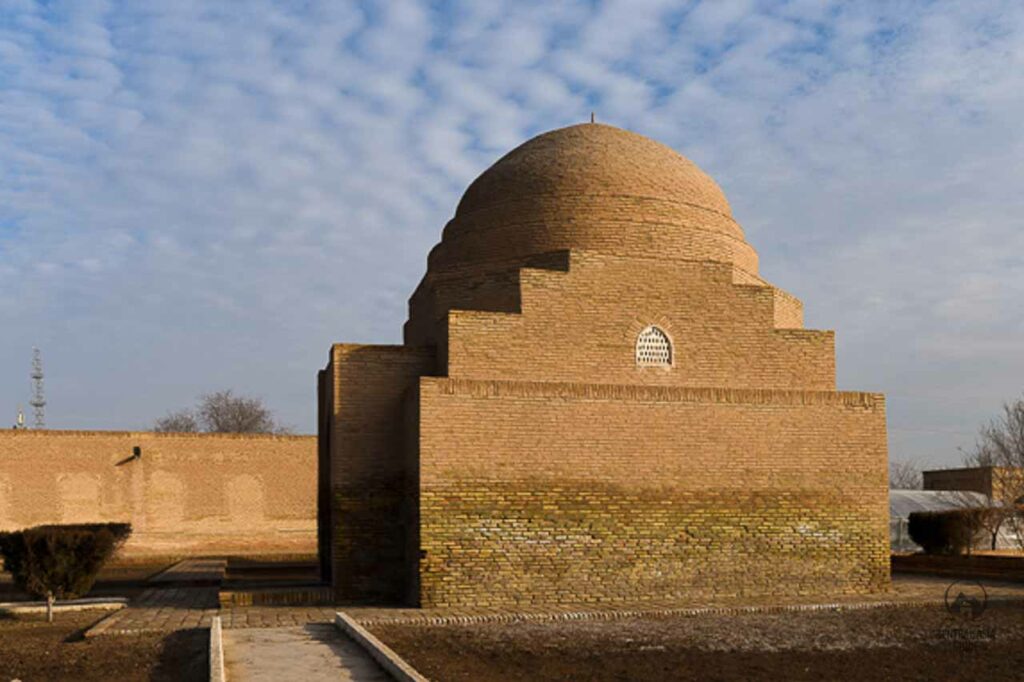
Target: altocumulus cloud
[[202, 195]]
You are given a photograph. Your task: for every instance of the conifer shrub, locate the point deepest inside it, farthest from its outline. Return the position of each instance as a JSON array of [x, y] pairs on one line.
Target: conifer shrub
[[952, 531], [60, 561]]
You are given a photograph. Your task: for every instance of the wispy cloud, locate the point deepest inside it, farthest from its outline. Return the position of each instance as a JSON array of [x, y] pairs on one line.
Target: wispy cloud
[[196, 196]]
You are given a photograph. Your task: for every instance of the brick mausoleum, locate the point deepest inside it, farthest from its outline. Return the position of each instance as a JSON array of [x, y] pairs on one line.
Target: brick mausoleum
[[598, 400]]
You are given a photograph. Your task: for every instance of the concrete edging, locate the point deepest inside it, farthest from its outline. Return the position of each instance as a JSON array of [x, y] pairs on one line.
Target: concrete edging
[[216, 651], [382, 653], [105, 603]]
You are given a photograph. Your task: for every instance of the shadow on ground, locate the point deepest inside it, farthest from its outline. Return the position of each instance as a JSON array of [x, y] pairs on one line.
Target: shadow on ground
[[184, 656]]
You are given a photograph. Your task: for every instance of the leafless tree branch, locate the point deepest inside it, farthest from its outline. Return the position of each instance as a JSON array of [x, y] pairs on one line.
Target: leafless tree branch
[[1000, 446], [222, 412], [904, 475], [182, 421]]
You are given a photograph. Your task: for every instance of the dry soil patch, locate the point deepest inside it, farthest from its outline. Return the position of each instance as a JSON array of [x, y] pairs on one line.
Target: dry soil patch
[[32, 649], [906, 644]]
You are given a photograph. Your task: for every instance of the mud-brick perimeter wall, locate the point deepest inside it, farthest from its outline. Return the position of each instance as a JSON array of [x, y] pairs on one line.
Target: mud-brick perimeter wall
[[188, 494], [568, 493]]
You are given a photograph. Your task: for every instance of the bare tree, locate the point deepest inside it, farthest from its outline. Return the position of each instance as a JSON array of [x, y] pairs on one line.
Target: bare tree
[[982, 516], [990, 521], [904, 475], [223, 412], [182, 421], [1000, 447]]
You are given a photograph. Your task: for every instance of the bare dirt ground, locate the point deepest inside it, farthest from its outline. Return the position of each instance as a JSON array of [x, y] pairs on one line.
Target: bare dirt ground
[[32, 649], [879, 644], [115, 580]]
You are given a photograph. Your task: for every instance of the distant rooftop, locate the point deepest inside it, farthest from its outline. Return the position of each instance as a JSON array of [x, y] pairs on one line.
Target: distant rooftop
[[903, 502]]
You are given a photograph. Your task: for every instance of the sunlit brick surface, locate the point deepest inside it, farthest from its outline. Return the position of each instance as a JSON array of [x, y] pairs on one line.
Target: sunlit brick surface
[[186, 494]]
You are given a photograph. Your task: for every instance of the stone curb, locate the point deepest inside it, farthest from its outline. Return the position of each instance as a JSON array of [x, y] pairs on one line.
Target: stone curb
[[102, 627], [691, 612], [388, 659], [216, 651], [105, 603]]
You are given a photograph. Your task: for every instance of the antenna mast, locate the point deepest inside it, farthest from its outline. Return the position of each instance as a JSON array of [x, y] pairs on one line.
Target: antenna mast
[[38, 402]]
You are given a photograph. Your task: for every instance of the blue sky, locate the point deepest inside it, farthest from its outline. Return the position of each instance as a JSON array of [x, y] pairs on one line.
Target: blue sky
[[197, 195]]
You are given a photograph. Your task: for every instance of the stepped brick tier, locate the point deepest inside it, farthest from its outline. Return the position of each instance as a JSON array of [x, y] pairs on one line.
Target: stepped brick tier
[[598, 400]]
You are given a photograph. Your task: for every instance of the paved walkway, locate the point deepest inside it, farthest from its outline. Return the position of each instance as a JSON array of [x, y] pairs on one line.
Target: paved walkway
[[193, 571], [160, 610], [274, 616], [309, 653], [175, 608], [174, 603]]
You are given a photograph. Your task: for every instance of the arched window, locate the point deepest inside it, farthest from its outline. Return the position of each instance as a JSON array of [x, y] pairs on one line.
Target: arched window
[[653, 349]]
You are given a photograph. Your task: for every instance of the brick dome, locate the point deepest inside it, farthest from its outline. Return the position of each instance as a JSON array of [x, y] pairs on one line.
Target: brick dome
[[595, 160], [594, 187]]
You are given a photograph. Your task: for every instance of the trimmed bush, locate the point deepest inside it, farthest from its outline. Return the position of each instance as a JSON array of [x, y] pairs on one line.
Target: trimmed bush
[[60, 562], [953, 531]]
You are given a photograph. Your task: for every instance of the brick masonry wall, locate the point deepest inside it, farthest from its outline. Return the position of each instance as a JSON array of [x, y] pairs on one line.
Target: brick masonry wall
[[977, 479], [367, 385], [492, 287], [1005, 484], [496, 291], [789, 311], [534, 493], [188, 494], [582, 325]]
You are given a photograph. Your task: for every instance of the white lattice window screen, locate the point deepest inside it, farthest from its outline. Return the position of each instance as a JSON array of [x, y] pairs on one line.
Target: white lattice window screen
[[653, 349]]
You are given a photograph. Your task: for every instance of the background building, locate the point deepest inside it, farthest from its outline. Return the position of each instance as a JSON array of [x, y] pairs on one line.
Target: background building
[[997, 483]]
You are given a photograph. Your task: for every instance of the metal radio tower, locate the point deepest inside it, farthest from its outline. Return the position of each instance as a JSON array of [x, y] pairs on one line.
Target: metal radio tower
[[38, 402]]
